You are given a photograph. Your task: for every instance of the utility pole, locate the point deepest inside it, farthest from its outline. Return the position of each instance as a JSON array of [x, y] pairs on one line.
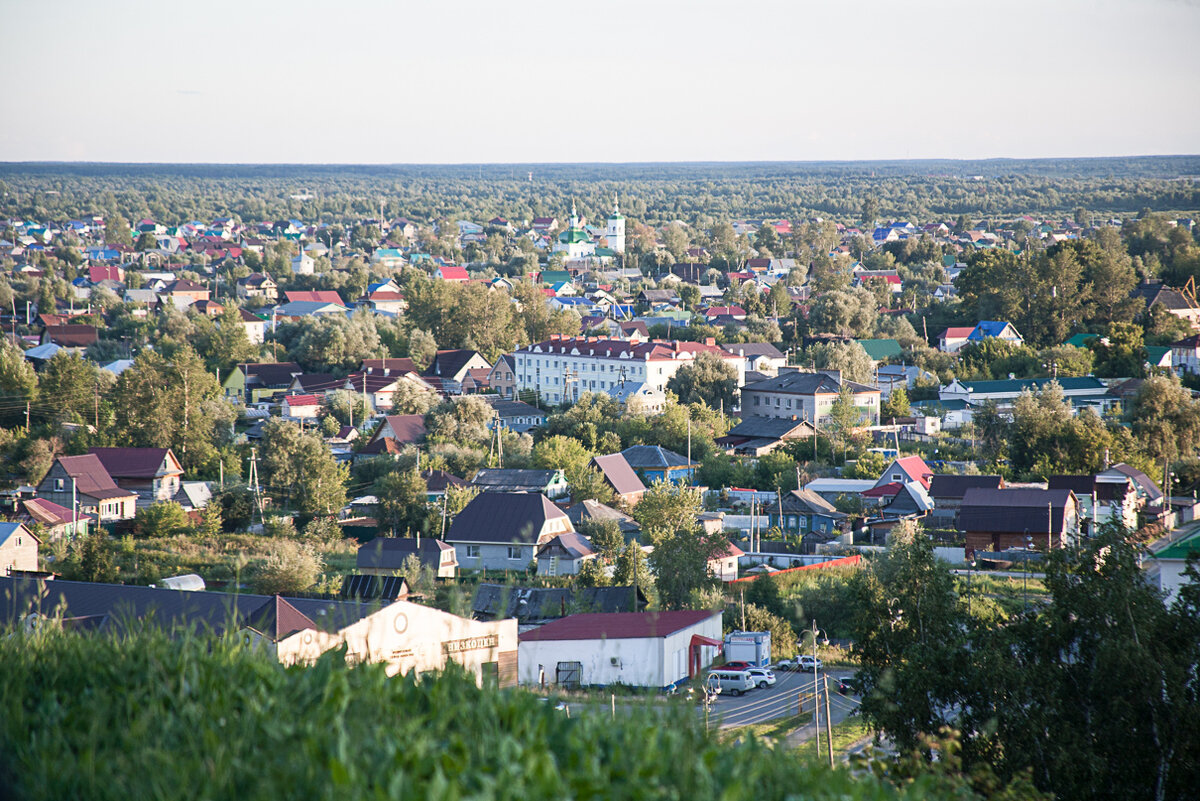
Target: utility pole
[[254, 483]]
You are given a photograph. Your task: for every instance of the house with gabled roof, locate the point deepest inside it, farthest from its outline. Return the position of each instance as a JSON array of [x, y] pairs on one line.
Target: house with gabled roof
[[954, 339], [56, 521], [551, 483], [758, 436], [995, 329], [620, 477], [453, 365], [395, 432], [153, 473], [81, 483], [656, 463], [807, 396], [504, 530], [258, 285], [18, 548], [564, 555], [805, 512], [999, 519], [252, 382], [386, 556]]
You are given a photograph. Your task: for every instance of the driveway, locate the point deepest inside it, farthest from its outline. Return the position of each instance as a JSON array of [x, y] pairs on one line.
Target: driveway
[[782, 700]]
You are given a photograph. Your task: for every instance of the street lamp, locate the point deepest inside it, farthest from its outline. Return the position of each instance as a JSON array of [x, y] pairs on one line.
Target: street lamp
[[816, 692]]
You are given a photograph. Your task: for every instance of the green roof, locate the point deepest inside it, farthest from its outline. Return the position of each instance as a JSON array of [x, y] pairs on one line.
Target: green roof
[[1155, 354], [1181, 549], [556, 277], [948, 260], [880, 349], [574, 236], [1080, 340]]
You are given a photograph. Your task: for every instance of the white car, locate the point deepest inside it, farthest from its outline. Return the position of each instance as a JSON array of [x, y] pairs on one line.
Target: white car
[[762, 677], [799, 663]]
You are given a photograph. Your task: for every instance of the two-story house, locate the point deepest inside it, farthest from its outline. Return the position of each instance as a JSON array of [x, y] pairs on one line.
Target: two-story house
[[81, 483], [153, 473], [504, 530], [806, 396]]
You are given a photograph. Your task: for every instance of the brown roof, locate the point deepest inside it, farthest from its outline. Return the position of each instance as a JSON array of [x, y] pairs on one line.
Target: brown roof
[[70, 336], [1012, 510], [270, 374], [619, 474], [277, 619], [395, 365], [136, 462], [49, 513], [948, 486], [90, 477], [407, 428]]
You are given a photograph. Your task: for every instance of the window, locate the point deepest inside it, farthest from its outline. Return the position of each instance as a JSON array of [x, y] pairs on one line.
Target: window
[[58, 483], [756, 399], [514, 553], [896, 477], [472, 551]]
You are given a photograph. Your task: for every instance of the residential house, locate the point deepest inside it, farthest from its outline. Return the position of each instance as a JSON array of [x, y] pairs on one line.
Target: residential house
[[620, 477], [184, 293], [1183, 306], [892, 376], [153, 473], [906, 469], [258, 284], [564, 555], [1166, 563], [390, 258], [451, 273], [954, 339], [762, 357], [803, 512], [758, 436], [502, 377], [453, 365], [504, 530], [81, 483], [515, 415], [633, 649], [18, 549], [254, 326], [656, 463], [1185, 355], [589, 510], [880, 350], [551, 483], [947, 493], [398, 366], [723, 566], [807, 396], [322, 296], [999, 519], [995, 329], [75, 338], [1079, 391], [1102, 499], [301, 407], [315, 384], [57, 522], [386, 556], [437, 482], [394, 432], [251, 383], [303, 264], [476, 381]]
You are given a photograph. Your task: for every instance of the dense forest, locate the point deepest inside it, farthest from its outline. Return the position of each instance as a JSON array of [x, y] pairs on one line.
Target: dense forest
[[695, 193]]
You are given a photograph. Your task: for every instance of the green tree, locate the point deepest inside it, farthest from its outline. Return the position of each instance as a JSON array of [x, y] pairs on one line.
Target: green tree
[[591, 574], [411, 397], [667, 508], [18, 385], [116, 231], [709, 380], [164, 519], [299, 469], [606, 538], [845, 418], [849, 358], [402, 507], [1123, 354], [462, 420], [422, 347], [224, 342], [680, 561], [633, 569], [69, 387], [896, 404], [1165, 419], [291, 566]]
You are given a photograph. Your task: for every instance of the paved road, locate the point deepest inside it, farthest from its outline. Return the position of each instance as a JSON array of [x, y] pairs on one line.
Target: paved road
[[782, 700]]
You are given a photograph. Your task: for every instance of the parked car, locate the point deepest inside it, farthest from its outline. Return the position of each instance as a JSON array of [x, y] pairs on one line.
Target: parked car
[[806, 662], [735, 682], [762, 677], [799, 662], [851, 685], [739, 665]]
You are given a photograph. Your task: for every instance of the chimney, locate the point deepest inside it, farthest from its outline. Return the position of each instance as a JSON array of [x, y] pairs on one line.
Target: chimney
[[711, 341]]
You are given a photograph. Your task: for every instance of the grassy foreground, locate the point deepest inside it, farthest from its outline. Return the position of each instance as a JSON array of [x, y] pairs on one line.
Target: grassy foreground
[[149, 717]]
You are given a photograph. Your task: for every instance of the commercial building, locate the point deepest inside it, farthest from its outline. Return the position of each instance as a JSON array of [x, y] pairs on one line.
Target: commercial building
[[806, 396]]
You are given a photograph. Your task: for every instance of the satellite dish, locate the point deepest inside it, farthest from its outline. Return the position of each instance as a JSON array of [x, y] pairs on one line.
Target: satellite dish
[[31, 622]]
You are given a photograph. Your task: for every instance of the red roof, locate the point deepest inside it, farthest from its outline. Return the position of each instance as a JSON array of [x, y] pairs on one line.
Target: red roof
[[49, 513], [617, 626], [962, 333], [316, 295], [713, 311], [613, 348], [915, 466], [882, 491], [450, 273], [302, 400]]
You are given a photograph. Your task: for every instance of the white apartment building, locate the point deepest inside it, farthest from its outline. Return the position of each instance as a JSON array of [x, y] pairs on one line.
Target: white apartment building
[[563, 368]]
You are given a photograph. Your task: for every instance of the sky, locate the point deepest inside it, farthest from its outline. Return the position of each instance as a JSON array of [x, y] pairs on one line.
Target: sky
[[464, 81]]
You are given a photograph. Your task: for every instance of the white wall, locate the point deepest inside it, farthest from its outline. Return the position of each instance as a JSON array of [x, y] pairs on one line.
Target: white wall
[[639, 661], [494, 557]]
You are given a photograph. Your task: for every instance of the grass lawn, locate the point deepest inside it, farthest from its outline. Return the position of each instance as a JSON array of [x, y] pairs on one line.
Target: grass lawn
[[776, 729]]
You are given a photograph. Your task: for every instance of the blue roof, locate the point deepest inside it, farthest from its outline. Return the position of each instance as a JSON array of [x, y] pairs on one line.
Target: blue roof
[[989, 328], [7, 530]]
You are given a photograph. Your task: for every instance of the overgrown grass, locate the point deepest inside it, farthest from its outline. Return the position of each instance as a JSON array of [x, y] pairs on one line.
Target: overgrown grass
[[152, 715], [773, 730]]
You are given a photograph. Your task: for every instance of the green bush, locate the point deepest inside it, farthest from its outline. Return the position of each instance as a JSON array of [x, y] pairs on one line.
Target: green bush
[[151, 716]]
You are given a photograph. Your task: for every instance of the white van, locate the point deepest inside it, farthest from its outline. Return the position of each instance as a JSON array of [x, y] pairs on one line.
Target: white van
[[734, 682]]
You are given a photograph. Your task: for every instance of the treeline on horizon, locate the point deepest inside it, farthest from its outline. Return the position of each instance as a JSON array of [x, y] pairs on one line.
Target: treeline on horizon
[[697, 193]]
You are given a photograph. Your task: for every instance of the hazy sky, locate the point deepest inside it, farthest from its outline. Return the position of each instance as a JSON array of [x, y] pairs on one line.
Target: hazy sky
[[373, 81]]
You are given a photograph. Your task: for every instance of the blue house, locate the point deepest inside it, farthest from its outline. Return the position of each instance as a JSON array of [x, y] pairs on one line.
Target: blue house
[[987, 329], [656, 463], [804, 512]]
